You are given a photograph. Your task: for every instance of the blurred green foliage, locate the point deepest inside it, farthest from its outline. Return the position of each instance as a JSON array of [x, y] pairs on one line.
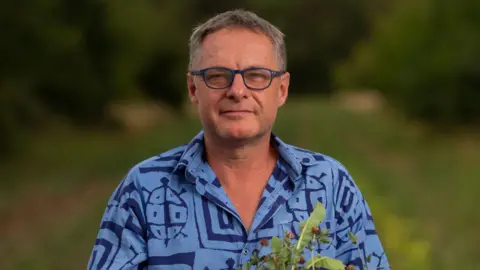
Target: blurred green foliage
[[424, 56], [73, 59], [421, 187]]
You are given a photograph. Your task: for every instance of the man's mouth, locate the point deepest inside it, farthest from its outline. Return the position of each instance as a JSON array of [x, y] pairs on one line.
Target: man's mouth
[[236, 112]]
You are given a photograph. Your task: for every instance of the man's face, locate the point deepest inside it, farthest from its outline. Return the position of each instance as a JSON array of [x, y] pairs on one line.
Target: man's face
[[237, 112]]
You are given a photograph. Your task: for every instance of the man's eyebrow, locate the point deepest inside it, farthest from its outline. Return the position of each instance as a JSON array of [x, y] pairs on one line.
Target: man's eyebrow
[[254, 66]]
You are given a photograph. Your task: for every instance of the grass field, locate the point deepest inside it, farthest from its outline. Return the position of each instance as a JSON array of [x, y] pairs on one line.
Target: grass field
[[421, 187]]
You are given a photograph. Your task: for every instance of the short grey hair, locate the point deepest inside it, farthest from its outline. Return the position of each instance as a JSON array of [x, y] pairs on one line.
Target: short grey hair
[[239, 18]]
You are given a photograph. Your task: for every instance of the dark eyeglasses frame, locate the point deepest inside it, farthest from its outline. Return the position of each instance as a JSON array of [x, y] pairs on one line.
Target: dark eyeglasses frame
[[202, 72]]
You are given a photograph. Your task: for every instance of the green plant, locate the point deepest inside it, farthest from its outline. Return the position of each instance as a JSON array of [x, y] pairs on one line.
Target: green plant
[[288, 254]]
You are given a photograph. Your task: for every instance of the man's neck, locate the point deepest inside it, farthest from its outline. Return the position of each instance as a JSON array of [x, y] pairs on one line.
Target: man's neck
[[237, 160]]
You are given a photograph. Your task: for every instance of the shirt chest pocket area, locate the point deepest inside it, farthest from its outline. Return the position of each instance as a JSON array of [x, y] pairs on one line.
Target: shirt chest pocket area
[[168, 225]]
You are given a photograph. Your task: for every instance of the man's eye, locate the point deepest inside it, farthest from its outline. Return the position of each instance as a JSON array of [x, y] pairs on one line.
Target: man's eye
[[217, 77], [257, 76], [211, 76]]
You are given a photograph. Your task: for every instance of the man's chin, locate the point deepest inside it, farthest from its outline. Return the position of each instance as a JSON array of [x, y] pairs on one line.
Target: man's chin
[[236, 133], [240, 135], [237, 136]]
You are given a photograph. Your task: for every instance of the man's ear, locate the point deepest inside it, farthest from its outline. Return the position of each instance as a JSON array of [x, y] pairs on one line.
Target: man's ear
[[283, 89], [192, 88]]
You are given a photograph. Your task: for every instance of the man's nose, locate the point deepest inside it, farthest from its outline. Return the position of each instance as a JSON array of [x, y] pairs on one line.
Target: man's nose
[[238, 89]]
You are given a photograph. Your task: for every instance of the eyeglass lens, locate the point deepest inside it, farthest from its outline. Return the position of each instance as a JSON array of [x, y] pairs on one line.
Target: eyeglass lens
[[253, 78]]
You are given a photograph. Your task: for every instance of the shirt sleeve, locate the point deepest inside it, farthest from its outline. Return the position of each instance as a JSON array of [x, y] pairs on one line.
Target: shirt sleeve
[[120, 243], [354, 218]]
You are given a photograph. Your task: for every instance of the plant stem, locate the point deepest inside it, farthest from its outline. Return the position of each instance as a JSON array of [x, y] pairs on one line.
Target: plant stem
[[313, 250]]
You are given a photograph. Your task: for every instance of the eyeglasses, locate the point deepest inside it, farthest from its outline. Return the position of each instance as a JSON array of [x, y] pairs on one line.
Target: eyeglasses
[[254, 78]]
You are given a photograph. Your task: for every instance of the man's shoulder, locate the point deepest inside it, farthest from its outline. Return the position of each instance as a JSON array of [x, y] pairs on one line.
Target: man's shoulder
[[309, 158], [148, 175], [162, 164], [317, 164]]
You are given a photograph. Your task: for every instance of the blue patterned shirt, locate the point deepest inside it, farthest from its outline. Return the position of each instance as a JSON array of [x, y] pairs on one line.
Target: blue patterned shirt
[[171, 212]]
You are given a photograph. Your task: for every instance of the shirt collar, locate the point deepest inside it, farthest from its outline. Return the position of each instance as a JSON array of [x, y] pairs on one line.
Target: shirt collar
[[296, 158]]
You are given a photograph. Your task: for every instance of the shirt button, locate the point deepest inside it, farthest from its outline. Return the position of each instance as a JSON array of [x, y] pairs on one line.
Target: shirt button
[[245, 252]]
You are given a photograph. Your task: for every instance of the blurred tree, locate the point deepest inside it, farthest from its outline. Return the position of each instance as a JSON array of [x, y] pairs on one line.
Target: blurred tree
[[74, 81], [151, 49], [25, 51], [75, 58], [424, 57], [318, 33]]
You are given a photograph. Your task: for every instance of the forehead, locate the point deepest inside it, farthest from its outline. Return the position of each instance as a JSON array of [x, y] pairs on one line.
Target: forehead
[[237, 48]]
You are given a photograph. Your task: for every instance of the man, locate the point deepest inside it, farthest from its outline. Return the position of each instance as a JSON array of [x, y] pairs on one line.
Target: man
[[208, 204]]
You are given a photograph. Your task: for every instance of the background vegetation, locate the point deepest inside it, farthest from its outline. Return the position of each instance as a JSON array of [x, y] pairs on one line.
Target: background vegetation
[[389, 88]]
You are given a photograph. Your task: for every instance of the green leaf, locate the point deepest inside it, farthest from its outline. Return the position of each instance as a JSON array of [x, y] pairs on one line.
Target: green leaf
[[254, 259], [325, 262], [313, 261], [276, 245], [286, 239], [353, 237], [271, 264], [301, 225], [332, 264], [324, 240], [284, 256], [306, 235], [369, 258]]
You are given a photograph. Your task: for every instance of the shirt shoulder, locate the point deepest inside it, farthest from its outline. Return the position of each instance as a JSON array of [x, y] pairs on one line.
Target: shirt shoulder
[[154, 168], [164, 163], [317, 162]]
